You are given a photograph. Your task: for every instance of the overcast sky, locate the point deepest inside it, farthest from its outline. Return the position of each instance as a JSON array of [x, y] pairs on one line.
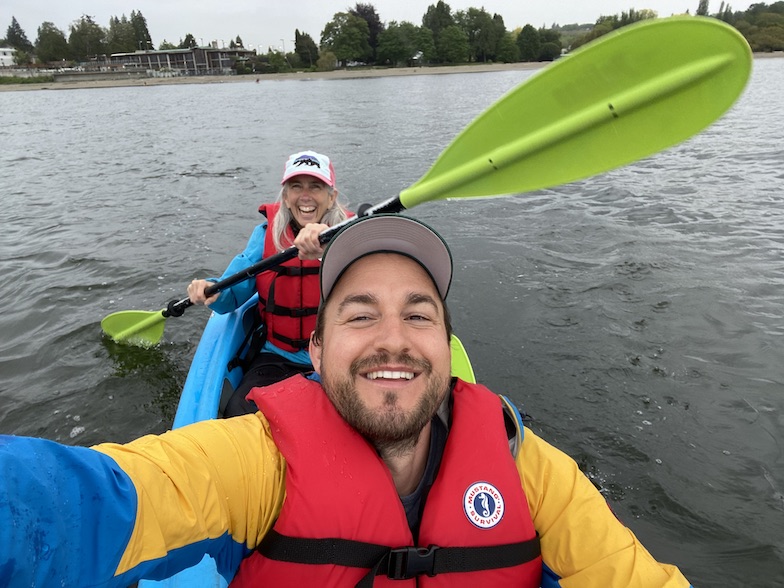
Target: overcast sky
[[267, 23]]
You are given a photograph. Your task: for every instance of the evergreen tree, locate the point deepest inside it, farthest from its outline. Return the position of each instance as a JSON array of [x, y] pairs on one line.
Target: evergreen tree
[[702, 8], [87, 39], [51, 44], [15, 37], [121, 37], [141, 34], [305, 47], [189, 42]]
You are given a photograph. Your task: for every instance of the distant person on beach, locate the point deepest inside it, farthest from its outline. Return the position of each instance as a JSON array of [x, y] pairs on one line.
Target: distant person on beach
[[307, 204]]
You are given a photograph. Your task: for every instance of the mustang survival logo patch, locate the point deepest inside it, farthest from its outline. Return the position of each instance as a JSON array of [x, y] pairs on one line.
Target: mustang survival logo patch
[[483, 505]]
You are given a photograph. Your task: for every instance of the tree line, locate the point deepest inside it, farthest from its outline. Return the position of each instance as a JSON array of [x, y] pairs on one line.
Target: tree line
[[358, 36]]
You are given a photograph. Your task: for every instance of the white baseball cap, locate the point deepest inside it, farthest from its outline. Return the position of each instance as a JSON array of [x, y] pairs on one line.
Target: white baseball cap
[[309, 163], [387, 233]]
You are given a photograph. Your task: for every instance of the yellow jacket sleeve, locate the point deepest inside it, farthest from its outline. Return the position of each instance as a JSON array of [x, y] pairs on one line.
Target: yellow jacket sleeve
[[224, 477], [582, 541]]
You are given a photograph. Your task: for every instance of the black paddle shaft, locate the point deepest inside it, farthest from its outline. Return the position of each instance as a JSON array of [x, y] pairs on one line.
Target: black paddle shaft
[[177, 307]]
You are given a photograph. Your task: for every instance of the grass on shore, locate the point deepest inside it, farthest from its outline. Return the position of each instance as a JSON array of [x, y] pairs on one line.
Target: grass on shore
[[19, 80]]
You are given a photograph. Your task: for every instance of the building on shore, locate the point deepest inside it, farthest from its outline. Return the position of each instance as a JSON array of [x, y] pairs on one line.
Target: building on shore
[[7, 57], [196, 61]]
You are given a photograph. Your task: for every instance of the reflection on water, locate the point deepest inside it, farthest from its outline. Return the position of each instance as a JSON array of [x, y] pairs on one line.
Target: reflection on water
[[152, 367], [636, 315]]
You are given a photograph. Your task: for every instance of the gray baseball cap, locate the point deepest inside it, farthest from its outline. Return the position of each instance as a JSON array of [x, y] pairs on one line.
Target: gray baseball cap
[[387, 233]]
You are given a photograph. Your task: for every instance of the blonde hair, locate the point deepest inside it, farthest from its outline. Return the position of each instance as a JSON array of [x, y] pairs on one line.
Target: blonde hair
[[335, 214]]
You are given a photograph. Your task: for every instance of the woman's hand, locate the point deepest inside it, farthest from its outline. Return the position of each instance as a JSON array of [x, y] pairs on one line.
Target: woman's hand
[[307, 241], [196, 292]]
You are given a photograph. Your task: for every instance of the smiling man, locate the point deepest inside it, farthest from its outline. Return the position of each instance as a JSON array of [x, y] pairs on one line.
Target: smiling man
[[378, 469]]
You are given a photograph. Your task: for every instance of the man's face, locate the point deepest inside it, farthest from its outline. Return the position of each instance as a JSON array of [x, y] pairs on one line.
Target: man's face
[[384, 360]]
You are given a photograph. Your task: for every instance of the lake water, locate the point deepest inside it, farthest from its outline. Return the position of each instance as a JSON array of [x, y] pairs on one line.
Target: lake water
[[636, 315]]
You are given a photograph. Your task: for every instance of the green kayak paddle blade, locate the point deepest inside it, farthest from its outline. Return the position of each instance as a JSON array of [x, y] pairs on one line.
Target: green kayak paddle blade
[[136, 327], [461, 364], [625, 96]]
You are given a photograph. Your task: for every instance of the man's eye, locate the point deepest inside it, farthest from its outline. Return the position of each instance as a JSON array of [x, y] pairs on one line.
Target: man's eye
[[359, 318], [418, 317]]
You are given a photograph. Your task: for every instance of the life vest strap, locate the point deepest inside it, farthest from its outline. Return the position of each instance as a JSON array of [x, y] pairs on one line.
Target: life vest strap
[[402, 563], [295, 343]]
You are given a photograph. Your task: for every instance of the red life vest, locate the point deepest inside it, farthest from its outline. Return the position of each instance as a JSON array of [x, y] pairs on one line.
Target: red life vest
[[338, 488], [288, 294]]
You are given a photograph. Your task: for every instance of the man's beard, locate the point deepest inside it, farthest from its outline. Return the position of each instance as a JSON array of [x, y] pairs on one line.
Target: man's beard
[[389, 429]]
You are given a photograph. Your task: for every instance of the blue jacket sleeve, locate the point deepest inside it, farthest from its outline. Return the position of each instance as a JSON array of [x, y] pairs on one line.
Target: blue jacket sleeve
[[53, 498], [234, 297]]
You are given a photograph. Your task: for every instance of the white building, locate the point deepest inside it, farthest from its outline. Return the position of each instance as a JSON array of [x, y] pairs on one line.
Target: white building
[[7, 57]]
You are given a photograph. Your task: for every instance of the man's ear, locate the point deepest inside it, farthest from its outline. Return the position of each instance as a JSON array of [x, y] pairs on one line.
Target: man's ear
[[315, 353]]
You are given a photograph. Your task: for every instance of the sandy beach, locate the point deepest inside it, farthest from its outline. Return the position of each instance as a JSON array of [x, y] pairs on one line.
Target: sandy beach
[[265, 78]]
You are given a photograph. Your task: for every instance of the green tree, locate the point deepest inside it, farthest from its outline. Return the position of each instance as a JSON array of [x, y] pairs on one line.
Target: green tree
[[549, 51], [22, 57], [166, 46], [437, 18], [51, 44], [452, 45], [305, 47], [767, 39], [508, 51], [550, 36], [238, 43], [400, 43], [426, 45], [605, 24], [189, 42], [500, 35], [141, 34], [368, 13], [87, 39], [15, 37], [121, 37], [481, 31], [347, 37], [277, 62], [702, 8], [326, 61], [528, 43]]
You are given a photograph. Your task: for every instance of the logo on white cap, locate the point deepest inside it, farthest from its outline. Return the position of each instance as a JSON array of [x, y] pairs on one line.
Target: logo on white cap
[[309, 163]]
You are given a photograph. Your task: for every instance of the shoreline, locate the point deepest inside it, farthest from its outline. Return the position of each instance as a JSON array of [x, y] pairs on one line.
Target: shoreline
[[338, 74]]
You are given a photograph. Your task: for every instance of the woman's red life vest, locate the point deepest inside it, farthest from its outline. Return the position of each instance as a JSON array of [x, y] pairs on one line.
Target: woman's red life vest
[[338, 489], [288, 294]]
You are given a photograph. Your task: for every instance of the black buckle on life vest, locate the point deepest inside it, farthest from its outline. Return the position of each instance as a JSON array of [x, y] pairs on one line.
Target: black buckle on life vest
[[409, 562]]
